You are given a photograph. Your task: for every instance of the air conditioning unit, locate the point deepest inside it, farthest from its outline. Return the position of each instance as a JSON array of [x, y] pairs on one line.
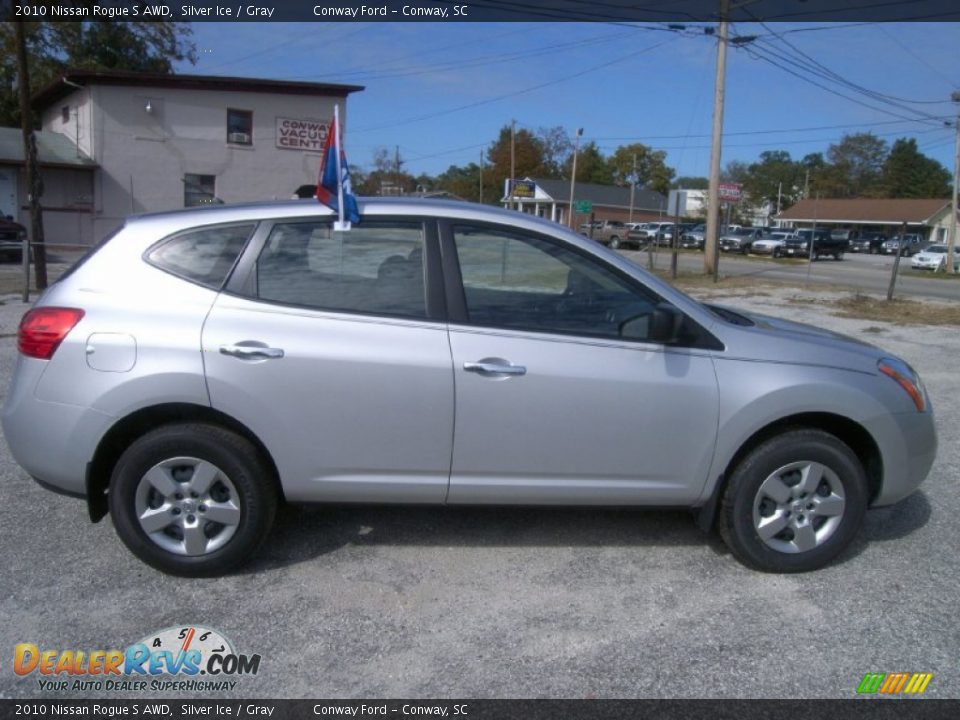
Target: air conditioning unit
[[239, 137]]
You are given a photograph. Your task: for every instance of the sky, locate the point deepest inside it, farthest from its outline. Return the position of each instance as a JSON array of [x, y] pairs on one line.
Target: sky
[[443, 91]]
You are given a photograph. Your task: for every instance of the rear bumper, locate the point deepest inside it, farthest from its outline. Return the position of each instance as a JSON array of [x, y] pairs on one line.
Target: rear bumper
[[52, 441]]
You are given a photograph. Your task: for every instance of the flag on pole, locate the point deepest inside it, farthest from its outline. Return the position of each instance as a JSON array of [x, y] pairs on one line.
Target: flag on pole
[[333, 186]]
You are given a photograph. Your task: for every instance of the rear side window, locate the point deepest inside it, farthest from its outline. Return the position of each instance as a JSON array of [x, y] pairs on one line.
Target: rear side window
[[204, 255], [375, 268]]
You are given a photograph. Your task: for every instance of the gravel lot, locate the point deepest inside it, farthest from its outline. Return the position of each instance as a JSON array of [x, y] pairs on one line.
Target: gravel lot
[[424, 602]]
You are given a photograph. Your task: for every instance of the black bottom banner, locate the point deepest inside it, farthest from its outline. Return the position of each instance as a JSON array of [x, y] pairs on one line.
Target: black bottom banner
[[486, 709]]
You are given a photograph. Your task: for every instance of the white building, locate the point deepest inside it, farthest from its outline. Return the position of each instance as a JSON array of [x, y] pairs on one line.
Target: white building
[[692, 203], [160, 142]]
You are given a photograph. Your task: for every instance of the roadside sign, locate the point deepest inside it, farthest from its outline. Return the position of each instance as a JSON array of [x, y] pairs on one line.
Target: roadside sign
[[583, 206], [730, 192], [523, 189]]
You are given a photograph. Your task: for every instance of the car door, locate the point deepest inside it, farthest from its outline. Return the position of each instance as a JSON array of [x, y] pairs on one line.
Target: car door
[[556, 402], [332, 348]]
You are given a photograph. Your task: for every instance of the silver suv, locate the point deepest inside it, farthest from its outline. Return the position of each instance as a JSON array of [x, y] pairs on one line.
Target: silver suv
[[202, 366]]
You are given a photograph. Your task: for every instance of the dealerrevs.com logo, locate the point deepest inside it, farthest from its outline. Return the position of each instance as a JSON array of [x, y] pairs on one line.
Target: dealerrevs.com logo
[[190, 658]]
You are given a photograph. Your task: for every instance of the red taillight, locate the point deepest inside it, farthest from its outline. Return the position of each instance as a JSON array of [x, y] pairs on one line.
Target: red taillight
[[43, 329]]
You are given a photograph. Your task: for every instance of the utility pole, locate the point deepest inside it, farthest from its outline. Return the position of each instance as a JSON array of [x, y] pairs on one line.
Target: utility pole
[[713, 193], [34, 182], [573, 177], [513, 156], [952, 244], [481, 177], [896, 261], [396, 166], [633, 185], [779, 195]]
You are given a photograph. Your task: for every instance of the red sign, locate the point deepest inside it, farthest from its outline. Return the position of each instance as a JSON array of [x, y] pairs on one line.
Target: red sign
[[730, 192]]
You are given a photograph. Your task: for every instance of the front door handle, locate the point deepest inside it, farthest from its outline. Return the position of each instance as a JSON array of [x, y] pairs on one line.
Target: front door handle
[[251, 352], [490, 366]]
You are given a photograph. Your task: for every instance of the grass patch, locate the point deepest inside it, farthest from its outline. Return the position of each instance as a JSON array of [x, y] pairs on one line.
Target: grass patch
[[930, 275], [898, 311]]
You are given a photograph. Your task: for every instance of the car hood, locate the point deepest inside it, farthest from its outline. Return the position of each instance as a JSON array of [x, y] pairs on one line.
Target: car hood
[[774, 339], [928, 256]]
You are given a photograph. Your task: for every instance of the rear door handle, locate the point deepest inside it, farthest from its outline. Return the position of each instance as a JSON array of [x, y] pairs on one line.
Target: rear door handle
[[494, 367], [251, 352]]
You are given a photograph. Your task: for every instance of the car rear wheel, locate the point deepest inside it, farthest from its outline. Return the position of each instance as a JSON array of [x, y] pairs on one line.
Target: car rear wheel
[[794, 503], [192, 499], [615, 242]]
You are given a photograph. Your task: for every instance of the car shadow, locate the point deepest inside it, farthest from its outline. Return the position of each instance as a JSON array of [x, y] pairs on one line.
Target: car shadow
[[305, 532], [889, 523]]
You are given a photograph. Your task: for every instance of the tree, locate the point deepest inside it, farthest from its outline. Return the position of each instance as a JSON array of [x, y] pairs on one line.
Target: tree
[[652, 170], [556, 147], [856, 166], [592, 166], [464, 182], [775, 176], [387, 176], [54, 47], [909, 173], [529, 157], [690, 182]]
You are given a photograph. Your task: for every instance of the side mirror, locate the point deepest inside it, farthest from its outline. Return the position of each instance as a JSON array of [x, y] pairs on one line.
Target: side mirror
[[663, 325]]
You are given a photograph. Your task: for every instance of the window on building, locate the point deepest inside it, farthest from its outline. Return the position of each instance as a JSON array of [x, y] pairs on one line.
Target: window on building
[[239, 127], [65, 114], [199, 189]]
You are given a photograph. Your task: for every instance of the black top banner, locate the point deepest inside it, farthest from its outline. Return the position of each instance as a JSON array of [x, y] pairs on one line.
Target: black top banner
[[606, 11]]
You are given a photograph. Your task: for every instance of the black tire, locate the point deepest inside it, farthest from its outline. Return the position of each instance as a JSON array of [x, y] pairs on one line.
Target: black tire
[[838, 256], [249, 485], [615, 242], [777, 253], [742, 498]]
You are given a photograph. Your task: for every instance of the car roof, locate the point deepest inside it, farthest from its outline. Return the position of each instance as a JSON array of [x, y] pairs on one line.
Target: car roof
[[307, 208]]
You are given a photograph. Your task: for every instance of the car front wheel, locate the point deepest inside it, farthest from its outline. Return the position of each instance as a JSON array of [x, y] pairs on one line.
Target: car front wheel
[[615, 242], [794, 503], [192, 499]]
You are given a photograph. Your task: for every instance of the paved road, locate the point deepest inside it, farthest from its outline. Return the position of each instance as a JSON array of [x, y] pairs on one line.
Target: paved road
[[428, 602], [869, 273]]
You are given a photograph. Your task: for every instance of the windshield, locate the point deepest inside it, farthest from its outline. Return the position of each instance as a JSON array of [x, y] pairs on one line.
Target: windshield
[[937, 249]]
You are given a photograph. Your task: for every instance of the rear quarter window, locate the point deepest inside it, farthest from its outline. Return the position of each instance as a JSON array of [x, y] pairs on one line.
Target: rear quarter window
[[202, 255]]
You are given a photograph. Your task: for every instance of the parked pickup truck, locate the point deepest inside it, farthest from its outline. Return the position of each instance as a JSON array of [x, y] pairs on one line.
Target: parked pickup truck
[[800, 245], [610, 232]]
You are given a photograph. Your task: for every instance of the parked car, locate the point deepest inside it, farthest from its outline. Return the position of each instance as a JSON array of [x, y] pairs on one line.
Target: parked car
[[935, 258], [652, 232], [819, 240], [867, 243], [740, 241], [694, 238], [908, 246], [11, 239], [771, 243], [202, 365]]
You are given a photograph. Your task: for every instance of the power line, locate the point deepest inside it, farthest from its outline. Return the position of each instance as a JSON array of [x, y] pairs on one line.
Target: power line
[[826, 73], [765, 132], [515, 93]]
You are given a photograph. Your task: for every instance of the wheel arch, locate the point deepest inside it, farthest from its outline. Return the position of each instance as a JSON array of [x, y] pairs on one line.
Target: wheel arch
[[848, 431], [127, 429]]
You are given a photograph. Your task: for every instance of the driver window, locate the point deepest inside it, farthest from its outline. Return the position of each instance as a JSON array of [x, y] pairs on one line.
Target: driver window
[[526, 282]]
